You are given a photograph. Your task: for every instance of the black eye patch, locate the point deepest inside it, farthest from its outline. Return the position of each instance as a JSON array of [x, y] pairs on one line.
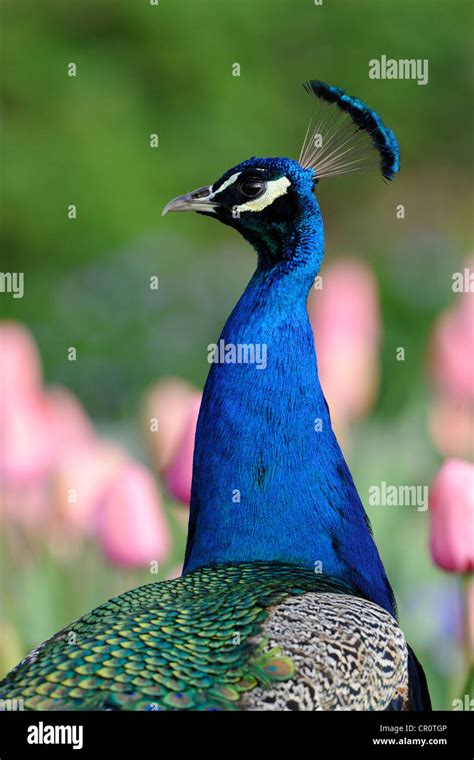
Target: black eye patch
[[251, 186]]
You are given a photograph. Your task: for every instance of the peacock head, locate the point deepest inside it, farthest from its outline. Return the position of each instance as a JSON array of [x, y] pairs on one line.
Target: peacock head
[[265, 198], [257, 194]]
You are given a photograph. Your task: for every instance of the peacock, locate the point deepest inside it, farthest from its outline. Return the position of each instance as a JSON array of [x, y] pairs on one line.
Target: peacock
[[284, 603]]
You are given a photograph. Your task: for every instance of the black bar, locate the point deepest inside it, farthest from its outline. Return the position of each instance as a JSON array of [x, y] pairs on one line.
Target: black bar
[[315, 735]]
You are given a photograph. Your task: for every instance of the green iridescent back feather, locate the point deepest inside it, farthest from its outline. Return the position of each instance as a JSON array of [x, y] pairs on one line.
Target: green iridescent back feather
[[181, 644]]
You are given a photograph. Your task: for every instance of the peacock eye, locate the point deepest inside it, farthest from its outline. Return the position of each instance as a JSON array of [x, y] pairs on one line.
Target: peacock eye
[[252, 187]]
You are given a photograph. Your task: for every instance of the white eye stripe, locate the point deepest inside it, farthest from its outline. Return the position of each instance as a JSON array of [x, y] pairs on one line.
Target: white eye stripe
[[225, 184], [275, 189]]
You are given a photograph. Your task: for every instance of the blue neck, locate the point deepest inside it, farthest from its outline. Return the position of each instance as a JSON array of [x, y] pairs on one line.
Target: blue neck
[[270, 482]]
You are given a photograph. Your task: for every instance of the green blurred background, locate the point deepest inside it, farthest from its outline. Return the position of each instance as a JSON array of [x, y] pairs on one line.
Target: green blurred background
[[167, 69]]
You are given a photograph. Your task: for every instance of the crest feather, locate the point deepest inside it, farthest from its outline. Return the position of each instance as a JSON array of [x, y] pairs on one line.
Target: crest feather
[[345, 135]]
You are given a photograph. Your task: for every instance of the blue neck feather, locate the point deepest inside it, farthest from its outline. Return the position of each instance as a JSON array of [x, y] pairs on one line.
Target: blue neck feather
[[270, 482]]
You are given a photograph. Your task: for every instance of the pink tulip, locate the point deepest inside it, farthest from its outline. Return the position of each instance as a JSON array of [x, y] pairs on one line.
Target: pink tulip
[[452, 361], [28, 505], [165, 412], [80, 479], [131, 526], [452, 517], [178, 476], [26, 437], [72, 426], [27, 444], [182, 516], [175, 572], [344, 315], [20, 362], [451, 424]]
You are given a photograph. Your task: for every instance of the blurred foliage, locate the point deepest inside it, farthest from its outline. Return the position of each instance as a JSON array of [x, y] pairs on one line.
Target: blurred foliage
[[168, 69]]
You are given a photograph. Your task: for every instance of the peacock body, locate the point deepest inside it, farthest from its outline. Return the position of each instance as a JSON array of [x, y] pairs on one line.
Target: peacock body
[[246, 636], [284, 603]]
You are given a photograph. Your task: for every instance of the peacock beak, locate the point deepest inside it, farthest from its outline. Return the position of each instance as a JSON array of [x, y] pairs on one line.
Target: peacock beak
[[198, 200]]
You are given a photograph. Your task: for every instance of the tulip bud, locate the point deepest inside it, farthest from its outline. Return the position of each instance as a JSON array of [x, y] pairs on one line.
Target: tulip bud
[[452, 517], [344, 315], [131, 525], [165, 411], [178, 476]]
